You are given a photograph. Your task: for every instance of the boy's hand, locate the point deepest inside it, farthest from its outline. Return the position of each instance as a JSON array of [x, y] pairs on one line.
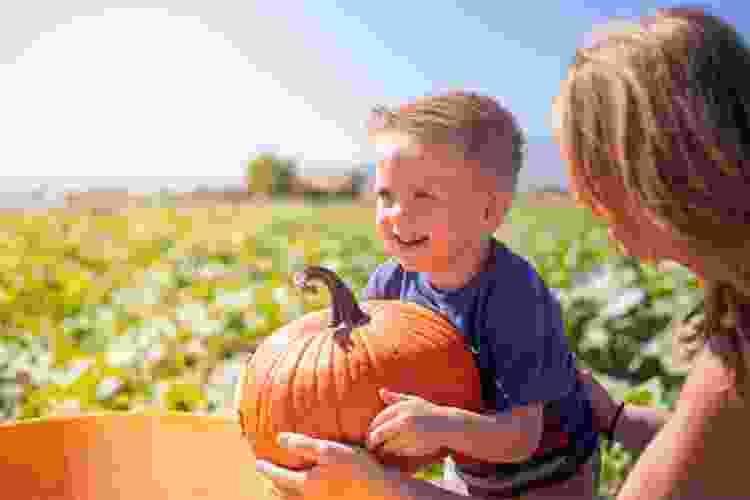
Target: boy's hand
[[409, 426]]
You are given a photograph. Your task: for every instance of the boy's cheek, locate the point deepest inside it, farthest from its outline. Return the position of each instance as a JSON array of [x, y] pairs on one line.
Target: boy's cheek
[[382, 224], [380, 219], [381, 230], [382, 216]]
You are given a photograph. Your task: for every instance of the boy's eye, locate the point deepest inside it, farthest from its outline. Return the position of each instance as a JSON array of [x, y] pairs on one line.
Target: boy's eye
[[385, 197]]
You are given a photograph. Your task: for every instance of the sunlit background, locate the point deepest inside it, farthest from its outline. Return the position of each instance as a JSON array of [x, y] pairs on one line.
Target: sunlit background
[[104, 307], [180, 94]]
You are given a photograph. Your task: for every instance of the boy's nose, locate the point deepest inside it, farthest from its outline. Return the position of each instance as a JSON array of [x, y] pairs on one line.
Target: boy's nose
[[392, 215], [402, 227]]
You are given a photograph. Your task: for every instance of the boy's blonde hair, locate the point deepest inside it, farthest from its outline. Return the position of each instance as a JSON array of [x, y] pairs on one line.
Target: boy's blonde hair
[[477, 125]]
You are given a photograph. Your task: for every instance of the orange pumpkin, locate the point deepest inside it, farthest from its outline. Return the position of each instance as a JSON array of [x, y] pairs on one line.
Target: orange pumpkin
[[143, 456], [320, 374]]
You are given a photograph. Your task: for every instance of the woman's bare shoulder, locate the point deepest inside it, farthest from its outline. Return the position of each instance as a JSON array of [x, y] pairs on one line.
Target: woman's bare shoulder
[[699, 453]]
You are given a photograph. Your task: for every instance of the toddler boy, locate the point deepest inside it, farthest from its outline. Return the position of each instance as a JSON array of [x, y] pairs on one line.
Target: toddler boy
[[445, 182]]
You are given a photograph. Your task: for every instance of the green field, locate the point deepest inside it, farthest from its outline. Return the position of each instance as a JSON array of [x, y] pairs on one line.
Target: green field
[[156, 308]]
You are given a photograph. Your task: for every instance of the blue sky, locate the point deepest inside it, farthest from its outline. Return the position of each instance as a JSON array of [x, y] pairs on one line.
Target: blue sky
[[189, 90], [516, 51]]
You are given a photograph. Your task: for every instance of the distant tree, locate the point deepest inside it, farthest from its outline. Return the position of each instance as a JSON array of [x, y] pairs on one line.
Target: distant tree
[[164, 198], [270, 175], [550, 188], [359, 177]]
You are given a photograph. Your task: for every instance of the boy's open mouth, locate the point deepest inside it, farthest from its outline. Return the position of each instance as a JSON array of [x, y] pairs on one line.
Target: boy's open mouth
[[411, 243]]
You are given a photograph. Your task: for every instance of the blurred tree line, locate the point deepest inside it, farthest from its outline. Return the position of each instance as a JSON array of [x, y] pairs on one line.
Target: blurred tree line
[[271, 175]]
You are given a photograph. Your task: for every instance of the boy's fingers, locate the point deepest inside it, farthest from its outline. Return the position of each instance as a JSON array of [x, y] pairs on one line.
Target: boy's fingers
[[390, 397], [386, 425], [383, 434], [382, 418], [395, 447]]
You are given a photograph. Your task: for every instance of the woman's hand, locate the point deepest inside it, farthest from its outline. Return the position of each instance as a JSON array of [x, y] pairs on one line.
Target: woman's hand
[[341, 471]]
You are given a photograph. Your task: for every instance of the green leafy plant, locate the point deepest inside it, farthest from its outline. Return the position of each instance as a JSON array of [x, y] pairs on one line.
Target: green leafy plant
[[156, 307]]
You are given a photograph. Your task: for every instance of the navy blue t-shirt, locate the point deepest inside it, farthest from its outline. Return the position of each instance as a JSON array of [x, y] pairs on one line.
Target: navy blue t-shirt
[[514, 326]]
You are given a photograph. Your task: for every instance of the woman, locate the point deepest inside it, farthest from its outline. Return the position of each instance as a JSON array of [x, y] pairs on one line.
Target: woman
[[654, 122]]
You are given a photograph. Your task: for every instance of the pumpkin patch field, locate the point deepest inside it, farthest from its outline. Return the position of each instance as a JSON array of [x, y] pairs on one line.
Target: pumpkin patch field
[[159, 307]]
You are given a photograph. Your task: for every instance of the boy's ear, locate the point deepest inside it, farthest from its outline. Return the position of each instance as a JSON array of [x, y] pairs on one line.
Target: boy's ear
[[498, 206]]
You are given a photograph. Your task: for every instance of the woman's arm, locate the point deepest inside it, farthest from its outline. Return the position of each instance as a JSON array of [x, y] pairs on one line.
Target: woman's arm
[[635, 426], [638, 425], [692, 457]]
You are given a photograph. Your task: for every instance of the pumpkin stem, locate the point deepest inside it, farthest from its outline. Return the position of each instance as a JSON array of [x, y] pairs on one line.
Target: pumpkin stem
[[344, 305]]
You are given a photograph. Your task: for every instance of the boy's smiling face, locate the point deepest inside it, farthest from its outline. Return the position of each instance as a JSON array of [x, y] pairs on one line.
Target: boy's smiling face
[[434, 208]]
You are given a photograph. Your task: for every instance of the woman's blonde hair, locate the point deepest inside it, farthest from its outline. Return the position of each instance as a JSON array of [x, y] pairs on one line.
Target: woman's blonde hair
[[476, 124], [663, 105]]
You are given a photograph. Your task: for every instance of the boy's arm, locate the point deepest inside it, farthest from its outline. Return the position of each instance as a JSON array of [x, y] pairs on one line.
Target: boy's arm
[[507, 437], [526, 342]]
